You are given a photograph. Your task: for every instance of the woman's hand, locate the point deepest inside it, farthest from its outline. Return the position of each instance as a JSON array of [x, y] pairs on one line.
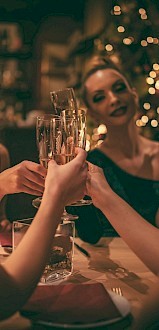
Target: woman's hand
[[97, 186], [69, 180], [27, 177], [5, 225]]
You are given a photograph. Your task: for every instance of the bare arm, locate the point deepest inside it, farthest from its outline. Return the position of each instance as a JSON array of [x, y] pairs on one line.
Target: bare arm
[[141, 236], [4, 164], [27, 177], [23, 268], [148, 316]]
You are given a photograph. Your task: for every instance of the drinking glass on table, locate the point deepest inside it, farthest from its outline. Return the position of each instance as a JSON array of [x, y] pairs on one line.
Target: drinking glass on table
[[59, 264], [81, 133], [43, 138]]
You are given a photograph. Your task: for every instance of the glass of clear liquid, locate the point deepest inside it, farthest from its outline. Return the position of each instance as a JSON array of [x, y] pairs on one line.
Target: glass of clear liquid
[[59, 265]]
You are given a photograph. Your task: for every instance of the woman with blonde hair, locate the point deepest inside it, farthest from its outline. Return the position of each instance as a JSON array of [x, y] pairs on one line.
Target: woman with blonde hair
[[128, 159]]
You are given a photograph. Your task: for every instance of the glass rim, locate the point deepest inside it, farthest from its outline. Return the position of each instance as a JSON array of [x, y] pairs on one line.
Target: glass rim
[[61, 90], [48, 116], [74, 114]]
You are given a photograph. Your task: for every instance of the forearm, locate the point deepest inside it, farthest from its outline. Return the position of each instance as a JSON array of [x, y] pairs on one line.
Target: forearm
[[2, 194], [148, 316], [140, 235], [26, 264]]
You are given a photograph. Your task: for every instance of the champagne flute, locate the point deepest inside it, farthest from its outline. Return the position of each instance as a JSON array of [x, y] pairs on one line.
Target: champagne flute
[[63, 99], [49, 135], [43, 139], [63, 138], [65, 104], [81, 133]]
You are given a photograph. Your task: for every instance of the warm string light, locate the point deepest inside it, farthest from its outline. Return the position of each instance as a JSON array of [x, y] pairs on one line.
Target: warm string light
[[147, 106], [121, 29], [111, 45], [153, 80]]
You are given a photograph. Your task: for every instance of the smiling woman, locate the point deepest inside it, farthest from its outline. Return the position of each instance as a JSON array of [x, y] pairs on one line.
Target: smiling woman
[[129, 160]]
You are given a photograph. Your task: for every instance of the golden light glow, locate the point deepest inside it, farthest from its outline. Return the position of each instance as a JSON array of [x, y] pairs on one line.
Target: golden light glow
[[158, 110], [102, 129], [109, 47], [156, 66], [155, 41], [117, 8], [150, 81], [88, 145], [151, 90], [121, 28], [99, 142], [127, 41], [150, 40], [157, 84], [143, 43], [152, 74], [146, 106], [145, 119], [154, 123], [139, 123], [144, 16], [142, 11]]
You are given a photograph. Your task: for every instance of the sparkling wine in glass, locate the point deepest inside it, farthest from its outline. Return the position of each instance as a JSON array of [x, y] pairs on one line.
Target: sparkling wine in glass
[[81, 133], [43, 139], [63, 137]]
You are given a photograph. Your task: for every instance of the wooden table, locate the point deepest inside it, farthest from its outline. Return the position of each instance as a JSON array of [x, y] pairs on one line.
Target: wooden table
[[113, 264]]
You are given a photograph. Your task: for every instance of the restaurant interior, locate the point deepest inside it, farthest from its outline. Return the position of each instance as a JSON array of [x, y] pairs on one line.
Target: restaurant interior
[[46, 46]]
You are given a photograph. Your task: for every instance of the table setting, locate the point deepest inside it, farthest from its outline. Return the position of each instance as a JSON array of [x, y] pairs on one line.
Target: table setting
[[83, 286], [111, 276]]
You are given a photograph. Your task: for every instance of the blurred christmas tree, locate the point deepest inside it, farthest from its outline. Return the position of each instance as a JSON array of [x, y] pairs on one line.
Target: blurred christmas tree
[[131, 39]]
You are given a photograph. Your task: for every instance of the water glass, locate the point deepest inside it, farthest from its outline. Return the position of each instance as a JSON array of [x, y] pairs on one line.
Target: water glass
[[60, 260]]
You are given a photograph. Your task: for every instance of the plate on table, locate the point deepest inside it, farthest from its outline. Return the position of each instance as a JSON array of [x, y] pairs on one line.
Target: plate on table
[[120, 302]]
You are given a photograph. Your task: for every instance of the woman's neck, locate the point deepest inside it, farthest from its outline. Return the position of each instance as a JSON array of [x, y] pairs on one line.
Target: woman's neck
[[125, 140]]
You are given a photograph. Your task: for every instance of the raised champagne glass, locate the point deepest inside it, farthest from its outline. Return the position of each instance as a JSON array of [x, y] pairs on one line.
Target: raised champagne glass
[[81, 134], [43, 139], [63, 99], [63, 138]]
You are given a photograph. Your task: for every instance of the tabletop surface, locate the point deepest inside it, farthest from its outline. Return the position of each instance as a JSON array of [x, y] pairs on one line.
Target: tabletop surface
[[112, 263]]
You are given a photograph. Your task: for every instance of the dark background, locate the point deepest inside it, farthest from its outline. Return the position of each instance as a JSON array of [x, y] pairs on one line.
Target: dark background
[[135, 60]]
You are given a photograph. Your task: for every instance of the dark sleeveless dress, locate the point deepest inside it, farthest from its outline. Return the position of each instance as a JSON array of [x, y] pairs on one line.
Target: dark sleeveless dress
[[142, 194]]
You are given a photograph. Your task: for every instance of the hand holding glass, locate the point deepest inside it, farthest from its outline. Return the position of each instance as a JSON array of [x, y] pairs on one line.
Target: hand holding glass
[[81, 132], [63, 147], [43, 138]]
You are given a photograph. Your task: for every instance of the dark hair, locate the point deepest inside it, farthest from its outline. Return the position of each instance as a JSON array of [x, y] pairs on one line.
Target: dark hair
[[98, 63]]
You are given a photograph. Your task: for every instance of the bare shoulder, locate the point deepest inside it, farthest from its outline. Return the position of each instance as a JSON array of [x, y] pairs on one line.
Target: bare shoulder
[[151, 150], [4, 158], [151, 147], [3, 149]]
